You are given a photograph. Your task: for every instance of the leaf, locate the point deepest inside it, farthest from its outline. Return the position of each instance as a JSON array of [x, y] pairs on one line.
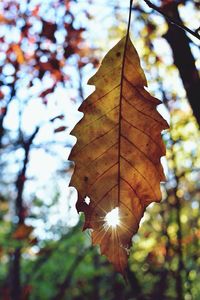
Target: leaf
[[61, 117], [1, 95], [60, 129], [19, 54], [117, 156], [47, 91], [48, 30], [22, 232]]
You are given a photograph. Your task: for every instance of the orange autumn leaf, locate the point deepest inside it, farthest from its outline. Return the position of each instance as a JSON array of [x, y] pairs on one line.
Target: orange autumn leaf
[[117, 155], [19, 53], [22, 232]]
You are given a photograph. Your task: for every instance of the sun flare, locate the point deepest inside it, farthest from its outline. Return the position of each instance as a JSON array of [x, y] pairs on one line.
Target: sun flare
[[112, 218]]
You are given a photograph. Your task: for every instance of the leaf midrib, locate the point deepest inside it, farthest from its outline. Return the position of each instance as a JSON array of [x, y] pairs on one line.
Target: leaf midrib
[[120, 112]]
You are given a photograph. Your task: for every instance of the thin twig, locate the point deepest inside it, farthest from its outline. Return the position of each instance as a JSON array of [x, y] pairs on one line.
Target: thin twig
[[171, 20]]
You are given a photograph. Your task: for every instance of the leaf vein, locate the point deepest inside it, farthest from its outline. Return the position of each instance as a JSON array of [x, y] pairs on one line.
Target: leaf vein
[[94, 140], [140, 175], [105, 114], [148, 158], [102, 174], [149, 136], [142, 112], [92, 103]]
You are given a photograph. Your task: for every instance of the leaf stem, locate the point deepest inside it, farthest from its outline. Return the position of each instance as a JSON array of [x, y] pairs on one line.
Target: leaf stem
[[129, 18], [121, 91]]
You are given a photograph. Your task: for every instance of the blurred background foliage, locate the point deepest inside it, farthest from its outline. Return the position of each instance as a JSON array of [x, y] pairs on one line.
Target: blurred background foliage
[[48, 50]]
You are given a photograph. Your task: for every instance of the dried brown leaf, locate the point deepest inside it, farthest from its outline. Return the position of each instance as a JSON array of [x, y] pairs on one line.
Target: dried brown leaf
[[117, 156]]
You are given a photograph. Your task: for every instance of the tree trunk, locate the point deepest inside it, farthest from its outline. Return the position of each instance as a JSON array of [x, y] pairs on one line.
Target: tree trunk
[[179, 281], [15, 282], [15, 288], [183, 59]]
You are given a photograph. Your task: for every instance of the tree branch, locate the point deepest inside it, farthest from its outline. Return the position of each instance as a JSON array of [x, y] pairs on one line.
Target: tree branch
[[171, 20], [15, 268], [3, 115], [21, 177], [184, 59]]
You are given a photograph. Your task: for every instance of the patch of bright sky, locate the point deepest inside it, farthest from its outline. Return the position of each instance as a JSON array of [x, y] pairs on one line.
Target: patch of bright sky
[[191, 17]]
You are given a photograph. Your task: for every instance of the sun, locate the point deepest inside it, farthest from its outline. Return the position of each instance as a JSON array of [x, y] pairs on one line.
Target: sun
[[112, 218]]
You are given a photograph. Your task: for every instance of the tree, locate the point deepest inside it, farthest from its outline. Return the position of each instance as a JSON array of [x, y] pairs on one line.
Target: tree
[[33, 68]]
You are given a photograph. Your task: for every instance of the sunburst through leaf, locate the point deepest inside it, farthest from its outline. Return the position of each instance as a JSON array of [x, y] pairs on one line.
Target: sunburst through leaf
[[112, 218]]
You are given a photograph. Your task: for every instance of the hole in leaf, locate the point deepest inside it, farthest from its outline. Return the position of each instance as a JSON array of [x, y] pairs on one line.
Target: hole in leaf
[[112, 218], [87, 200]]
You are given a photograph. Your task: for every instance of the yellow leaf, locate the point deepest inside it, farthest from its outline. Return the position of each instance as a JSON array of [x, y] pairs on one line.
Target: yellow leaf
[[117, 156]]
